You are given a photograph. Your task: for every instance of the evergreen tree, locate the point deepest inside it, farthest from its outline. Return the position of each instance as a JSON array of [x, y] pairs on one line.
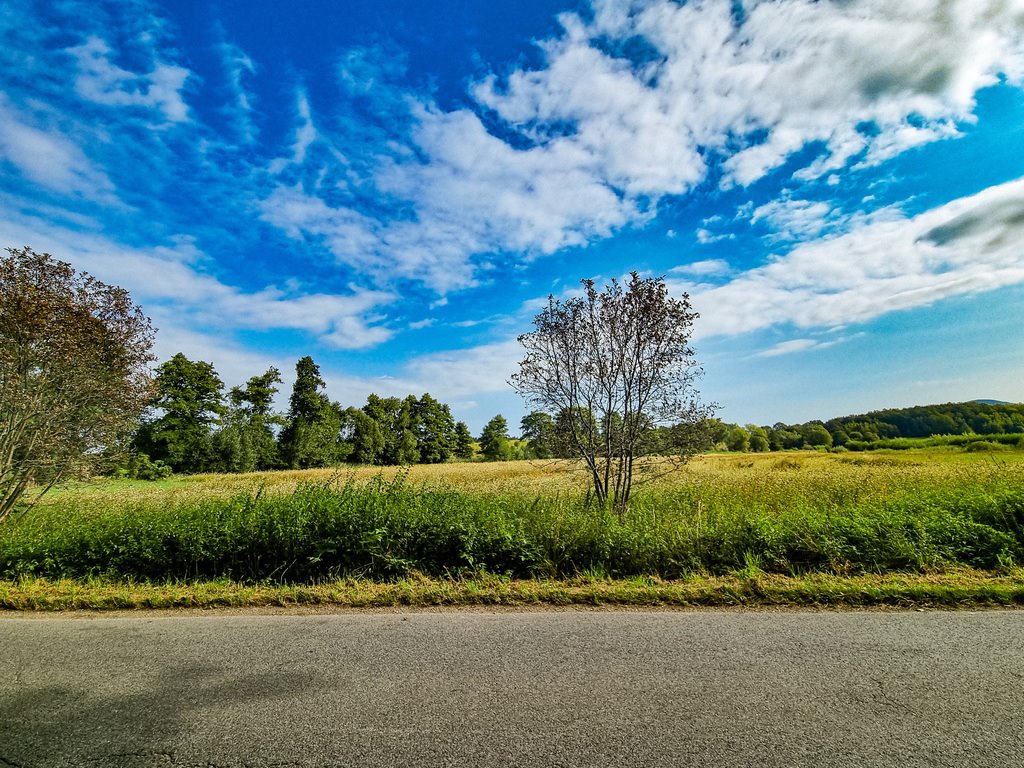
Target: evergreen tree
[[463, 441], [311, 437]]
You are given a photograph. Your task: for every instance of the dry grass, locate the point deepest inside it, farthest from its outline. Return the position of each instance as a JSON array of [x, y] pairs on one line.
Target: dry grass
[[961, 589], [728, 473]]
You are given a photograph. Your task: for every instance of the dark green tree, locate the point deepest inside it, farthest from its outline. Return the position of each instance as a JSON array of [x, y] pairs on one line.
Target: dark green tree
[[190, 395], [758, 438], [494, 440], [538, 429], [434, 427], [311, 437], [363, 437], [738, 439], [394, 417], [464, 448], [247, 442], [815, 435]]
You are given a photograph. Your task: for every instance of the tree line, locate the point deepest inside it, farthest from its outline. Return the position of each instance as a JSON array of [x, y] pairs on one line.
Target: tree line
[[922, 421], [192, 426]]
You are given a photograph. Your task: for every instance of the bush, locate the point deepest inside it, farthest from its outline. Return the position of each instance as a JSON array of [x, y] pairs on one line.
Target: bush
[[138, 466]]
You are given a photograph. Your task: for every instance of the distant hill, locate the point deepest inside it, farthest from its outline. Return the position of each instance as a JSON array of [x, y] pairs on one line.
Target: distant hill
[[982, 417]]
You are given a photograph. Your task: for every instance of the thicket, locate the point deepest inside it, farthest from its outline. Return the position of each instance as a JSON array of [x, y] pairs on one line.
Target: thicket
[[388, 528]]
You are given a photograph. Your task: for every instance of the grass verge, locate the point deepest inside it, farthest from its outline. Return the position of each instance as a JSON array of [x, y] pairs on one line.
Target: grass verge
[[959, 589]]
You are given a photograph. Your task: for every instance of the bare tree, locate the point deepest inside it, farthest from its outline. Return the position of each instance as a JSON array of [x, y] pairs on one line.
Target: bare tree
[[617, 370], [74, 371]]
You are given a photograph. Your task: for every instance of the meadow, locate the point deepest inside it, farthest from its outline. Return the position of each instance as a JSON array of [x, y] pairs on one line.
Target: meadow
[[801, 514]]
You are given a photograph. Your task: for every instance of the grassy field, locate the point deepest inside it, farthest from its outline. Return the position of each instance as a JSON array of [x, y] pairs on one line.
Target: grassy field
[[796, 527]]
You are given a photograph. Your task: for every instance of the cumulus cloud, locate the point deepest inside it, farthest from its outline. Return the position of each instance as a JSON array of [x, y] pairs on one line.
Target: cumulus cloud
[[794, 219], [629, 102], [463, 372], [706, 236], [966, 246]]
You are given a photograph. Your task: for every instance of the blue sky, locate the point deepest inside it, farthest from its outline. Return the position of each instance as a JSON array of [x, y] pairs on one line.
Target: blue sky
[[393, 188]]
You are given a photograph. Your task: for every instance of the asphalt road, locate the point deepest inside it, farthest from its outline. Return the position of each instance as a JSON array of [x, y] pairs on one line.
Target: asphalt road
[[515, 689]]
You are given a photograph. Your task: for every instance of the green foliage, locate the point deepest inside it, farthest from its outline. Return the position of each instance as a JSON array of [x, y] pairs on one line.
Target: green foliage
[[464, 448], [738, 439], [246, 443], [395, 419], [928, 420], [434, 428], [869, 518], [986, 442], [138, 466], [538, 429], [363, 436], [759, 442], [494, 440], [312, 434], [190, 394], [74, 372]]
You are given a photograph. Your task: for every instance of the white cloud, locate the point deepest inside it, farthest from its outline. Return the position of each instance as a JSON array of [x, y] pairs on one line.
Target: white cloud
[[794, 219], [706, 268], [602, 137], [465, 372], [305, 134], [795, 345], [706, 236], [101, 81], [49, 158], [237, 66], [168, 280], [967, 246]]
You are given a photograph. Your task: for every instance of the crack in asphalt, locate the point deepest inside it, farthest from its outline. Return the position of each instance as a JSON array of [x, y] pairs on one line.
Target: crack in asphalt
[[883, 697]]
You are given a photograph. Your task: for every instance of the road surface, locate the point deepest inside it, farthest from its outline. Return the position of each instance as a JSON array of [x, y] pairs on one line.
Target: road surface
[[573, 688]]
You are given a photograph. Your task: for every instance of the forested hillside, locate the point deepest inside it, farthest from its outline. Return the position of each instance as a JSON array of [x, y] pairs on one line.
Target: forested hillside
[[926, 420], [957, 423]]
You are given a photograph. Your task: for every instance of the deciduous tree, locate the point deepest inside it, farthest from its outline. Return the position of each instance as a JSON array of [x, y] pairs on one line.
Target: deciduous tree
[[247, 442], [538, 429], [494, 440], [74, 371], [622, 355], [190, 394]]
